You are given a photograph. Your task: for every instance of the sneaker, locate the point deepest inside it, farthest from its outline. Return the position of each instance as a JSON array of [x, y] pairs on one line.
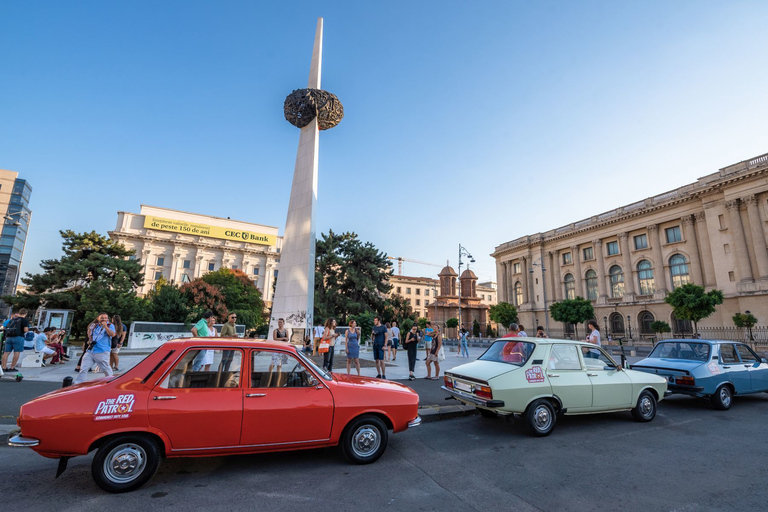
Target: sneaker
[[11, 369], [378, 376], [384, 377], [411, 377], [42, 365]]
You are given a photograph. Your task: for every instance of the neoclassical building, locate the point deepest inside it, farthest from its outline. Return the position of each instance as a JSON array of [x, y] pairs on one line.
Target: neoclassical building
[[180, 246], [711, 233]]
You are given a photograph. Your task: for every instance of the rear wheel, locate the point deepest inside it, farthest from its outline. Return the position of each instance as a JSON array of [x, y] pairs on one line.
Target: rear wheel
[[364, 439], [125, 463], [645, 410], [722, 398], [540, 418]]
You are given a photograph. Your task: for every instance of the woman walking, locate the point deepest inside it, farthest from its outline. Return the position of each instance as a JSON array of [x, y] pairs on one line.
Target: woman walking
[[437, 343], [388, 343], [117, 342], [329, 337], [411, 345], [353, 346], [395, 340]]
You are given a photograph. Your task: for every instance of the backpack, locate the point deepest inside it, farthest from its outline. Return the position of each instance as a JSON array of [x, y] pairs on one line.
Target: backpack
[[14, 328]]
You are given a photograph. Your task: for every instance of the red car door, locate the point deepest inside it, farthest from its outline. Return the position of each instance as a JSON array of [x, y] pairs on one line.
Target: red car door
[[284, 402], [199, 403]]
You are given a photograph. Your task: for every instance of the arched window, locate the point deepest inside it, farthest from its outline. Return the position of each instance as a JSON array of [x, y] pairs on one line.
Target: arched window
[[617, 282], [570, 286], [679, 270], [645, 277], [617, 324], [681, 327], [518, 293], [591, 284], [646, 318]]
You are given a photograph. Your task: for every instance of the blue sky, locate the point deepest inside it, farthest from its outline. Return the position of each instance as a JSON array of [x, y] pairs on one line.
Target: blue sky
[[465, 122]]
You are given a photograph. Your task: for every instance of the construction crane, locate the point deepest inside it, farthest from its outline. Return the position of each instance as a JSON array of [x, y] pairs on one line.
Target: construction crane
[[400, 261]]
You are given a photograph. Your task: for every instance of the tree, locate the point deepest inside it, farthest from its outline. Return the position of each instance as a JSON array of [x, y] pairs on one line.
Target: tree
[[660, 327], [168, 304], [241, 295], [398, 309], [422, 321], [503, 314], [692, 302], [745, 320], [95, 274], [405, 327], [572, 311], [452, 323], [365, 323], [202, 297], [475, 328]]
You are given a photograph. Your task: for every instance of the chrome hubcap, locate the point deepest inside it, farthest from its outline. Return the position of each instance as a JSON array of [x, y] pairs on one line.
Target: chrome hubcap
[[725, 396], [365, 441], [541, 417], [646, 406], [125, 462]]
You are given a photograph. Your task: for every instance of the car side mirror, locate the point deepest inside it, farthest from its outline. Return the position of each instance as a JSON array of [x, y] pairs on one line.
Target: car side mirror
[[610, 367]]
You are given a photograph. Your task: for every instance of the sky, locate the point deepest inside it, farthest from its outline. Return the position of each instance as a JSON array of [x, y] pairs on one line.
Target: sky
[[470, 123]]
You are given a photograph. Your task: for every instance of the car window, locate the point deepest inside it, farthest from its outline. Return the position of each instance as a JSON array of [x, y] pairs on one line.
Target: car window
[[595, 359], [681, 350], [206, 369], [564, 357], [275, 369], [747, 356], [728, 354], [513, 352]]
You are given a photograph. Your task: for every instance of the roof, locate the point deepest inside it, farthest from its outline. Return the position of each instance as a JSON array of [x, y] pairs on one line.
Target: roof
[[183, 343], [447, 271], [468, 274]]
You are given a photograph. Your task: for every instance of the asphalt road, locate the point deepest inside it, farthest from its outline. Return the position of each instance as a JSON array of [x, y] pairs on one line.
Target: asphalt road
[[690, 458]]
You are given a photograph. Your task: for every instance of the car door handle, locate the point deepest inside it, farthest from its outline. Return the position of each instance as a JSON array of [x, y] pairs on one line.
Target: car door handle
[[592, 374], [255, 395], [163, 398], [726, 367], [319, 386], [747, 366], [553, 375]]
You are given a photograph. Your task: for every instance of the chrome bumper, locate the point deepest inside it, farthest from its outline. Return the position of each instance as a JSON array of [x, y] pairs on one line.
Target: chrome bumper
[[473, 399], [414, 422], [16, 439]]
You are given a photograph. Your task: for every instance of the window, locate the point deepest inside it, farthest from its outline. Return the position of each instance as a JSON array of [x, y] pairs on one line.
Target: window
[[418, 302], [617, 282], [641, 242], [588, 254], [399, 289], [681, 326], [211, 266], [426, 293], [728, 354], [747, 356], [673, 234], [158, 275], [646, 318], [160, 261], [518, 293], [681, 350], [206, 369], [132, 257], [513, 352], [255, 271], [617, 323], [596, 359], [408, 291], [679, 270], [721, 221], [567, 260], [570, 286], [645, 278], [234, 267], [418, 291], [426, 303], [613, 248], [516, 268], [272, 369], [186, 264], [274, 274], [591, 285], [564, 357]]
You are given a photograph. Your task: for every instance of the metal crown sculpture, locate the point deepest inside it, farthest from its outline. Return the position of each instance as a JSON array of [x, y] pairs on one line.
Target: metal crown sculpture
[[303, 105]]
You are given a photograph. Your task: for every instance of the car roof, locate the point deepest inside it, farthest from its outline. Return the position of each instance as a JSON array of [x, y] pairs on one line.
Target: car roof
[[545, 341], [234, 341]]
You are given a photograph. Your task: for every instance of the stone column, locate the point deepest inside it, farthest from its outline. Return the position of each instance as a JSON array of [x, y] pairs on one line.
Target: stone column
[[500, 278], [510, 283], [199, 264], [743, 266], [175, 267], [529, 281], [526, 295], [576, 257], [705, 249], [693, 250], [629, 274], [758, 235], [557, 279], [659, 277], [553, 273], [601, 284]]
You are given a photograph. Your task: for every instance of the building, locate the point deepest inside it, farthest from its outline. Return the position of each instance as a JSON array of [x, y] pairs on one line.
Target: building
[[180, 246], [14, 203], [711, 233], [419, 291], [487, 293]]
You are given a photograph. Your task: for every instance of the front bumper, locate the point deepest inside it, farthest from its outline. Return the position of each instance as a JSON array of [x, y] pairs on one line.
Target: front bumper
[[414, 422], [16, 439], [491, 404]]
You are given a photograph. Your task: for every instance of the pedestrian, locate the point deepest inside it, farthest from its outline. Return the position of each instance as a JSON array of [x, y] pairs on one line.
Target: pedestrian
[[15, 330], [521, 331], [594, 336], [228, 330], [329, 337], [353, 346], [41, 342], [200, 329], [88, 341], [395, 340], [100, 347], [428, 330], [540, 332], [388, 343], [204, 328], [318, 335], [463, 342], [437, 344], [512, 331], [55, 338], [379, 335], [117, 342], [411, 345], [278, 358]]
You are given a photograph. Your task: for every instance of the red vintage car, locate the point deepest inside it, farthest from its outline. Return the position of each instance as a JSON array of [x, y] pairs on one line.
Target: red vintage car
[[202, 397]]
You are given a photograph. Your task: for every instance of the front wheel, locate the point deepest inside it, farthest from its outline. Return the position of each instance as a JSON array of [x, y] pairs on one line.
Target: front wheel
[[645, 410], [540, 418], [722, 398], [125, 463], [364, 439]]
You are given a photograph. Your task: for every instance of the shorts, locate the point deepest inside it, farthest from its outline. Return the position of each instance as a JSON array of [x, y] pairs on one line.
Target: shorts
[[427, 344], [116, 350], [14, 344], [395, 343], [48, 351], [378, 352], [431, 357]]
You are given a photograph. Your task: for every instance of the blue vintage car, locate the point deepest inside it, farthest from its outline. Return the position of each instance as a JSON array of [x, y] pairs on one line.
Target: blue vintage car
[[712, 369]]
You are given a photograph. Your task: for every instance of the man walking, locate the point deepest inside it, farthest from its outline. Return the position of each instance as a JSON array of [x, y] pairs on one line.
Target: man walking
[[379, 334], [98, 354], [228, 330], [15, 330]]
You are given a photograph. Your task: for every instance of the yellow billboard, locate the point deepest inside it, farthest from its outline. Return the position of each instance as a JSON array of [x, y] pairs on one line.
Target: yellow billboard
[[192, 228]]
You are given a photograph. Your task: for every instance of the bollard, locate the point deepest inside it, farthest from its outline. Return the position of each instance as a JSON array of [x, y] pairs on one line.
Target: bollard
[[67, 382]]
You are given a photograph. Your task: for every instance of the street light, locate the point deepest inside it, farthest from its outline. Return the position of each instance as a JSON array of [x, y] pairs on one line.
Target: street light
[[751, 338], [605, 323], [463, 252], [539, 262], [629, 327]]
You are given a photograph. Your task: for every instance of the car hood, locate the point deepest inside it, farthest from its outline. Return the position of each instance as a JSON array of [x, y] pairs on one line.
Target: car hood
[[73, 389], [483, 370], [667, 364], [370, 382]]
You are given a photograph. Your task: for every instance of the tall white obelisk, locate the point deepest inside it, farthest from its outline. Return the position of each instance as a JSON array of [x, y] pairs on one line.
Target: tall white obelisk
[[294, 295]]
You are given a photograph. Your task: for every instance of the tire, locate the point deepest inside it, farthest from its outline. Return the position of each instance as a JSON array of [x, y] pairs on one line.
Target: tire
[[645, 410], [125, 463], [364, 439], [540, 418], [722, 398], [485, 413]]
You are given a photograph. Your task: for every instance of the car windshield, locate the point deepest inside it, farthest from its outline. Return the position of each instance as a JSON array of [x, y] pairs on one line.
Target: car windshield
[[509, 351], [324, 374], [681, 350]]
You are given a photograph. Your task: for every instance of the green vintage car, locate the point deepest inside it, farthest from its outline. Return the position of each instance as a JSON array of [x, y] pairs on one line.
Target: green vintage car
[[541, 379]]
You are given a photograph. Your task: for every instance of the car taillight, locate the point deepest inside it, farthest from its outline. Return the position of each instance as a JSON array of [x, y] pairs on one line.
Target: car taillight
[[483, 392], [685, 381], [448, 382]]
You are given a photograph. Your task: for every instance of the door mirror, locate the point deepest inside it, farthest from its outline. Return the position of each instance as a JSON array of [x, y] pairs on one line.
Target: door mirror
[[609, 367]]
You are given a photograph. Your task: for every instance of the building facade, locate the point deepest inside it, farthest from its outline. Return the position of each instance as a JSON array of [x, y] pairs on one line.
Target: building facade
[[711, 233], [419, 291], [14, 204], [180, 246], [487, 293]]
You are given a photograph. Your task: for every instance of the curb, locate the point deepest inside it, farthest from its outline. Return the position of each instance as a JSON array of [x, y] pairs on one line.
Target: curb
[[443, 412]]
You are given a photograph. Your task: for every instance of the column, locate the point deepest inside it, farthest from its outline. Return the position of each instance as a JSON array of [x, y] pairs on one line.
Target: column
[[557, 278], [553, 273], [576, 257], [743, 266], [529, 277], [659, 277], [175, 267], [526, 296], [702, 236], [629, 275], [505, 281], [693, 250], [601, 294], [758, 235], [199, 263]]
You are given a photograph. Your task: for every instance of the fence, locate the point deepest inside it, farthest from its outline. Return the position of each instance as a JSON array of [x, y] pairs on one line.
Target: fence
[[759, 334]]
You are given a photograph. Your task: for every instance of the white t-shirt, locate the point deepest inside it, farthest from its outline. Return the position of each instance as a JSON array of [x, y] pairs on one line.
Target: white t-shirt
[[522, 334], [595, 337], [396, 332], [319, 330]]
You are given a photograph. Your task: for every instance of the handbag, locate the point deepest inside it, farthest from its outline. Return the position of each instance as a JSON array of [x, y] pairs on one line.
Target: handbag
[[323, 347], [441, 354]]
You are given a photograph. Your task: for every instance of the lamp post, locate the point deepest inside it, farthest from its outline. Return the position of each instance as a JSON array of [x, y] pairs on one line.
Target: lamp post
[[539, 262], [605, 323], [749, 326], [463, 252], [629, 327]]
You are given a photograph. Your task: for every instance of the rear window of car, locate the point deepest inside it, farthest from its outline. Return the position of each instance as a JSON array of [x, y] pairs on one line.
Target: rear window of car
[[512, 352], [681, 350]]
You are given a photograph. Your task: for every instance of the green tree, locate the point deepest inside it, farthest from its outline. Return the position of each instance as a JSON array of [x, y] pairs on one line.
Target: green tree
[[405, 327], [422, 321], [168, 304], [503, 314], [241, 295], [202, 297], [452, 323], [660, 327], [572, 311], [692, 302], [398, 309], [745, 320], [475, 328], [365, 323], [95, 274]]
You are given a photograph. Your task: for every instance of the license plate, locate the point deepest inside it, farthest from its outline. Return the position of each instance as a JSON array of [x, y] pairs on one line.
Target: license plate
[[463, 387]]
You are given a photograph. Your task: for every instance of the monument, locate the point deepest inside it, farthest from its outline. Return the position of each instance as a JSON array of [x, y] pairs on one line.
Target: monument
[[311, 110]]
